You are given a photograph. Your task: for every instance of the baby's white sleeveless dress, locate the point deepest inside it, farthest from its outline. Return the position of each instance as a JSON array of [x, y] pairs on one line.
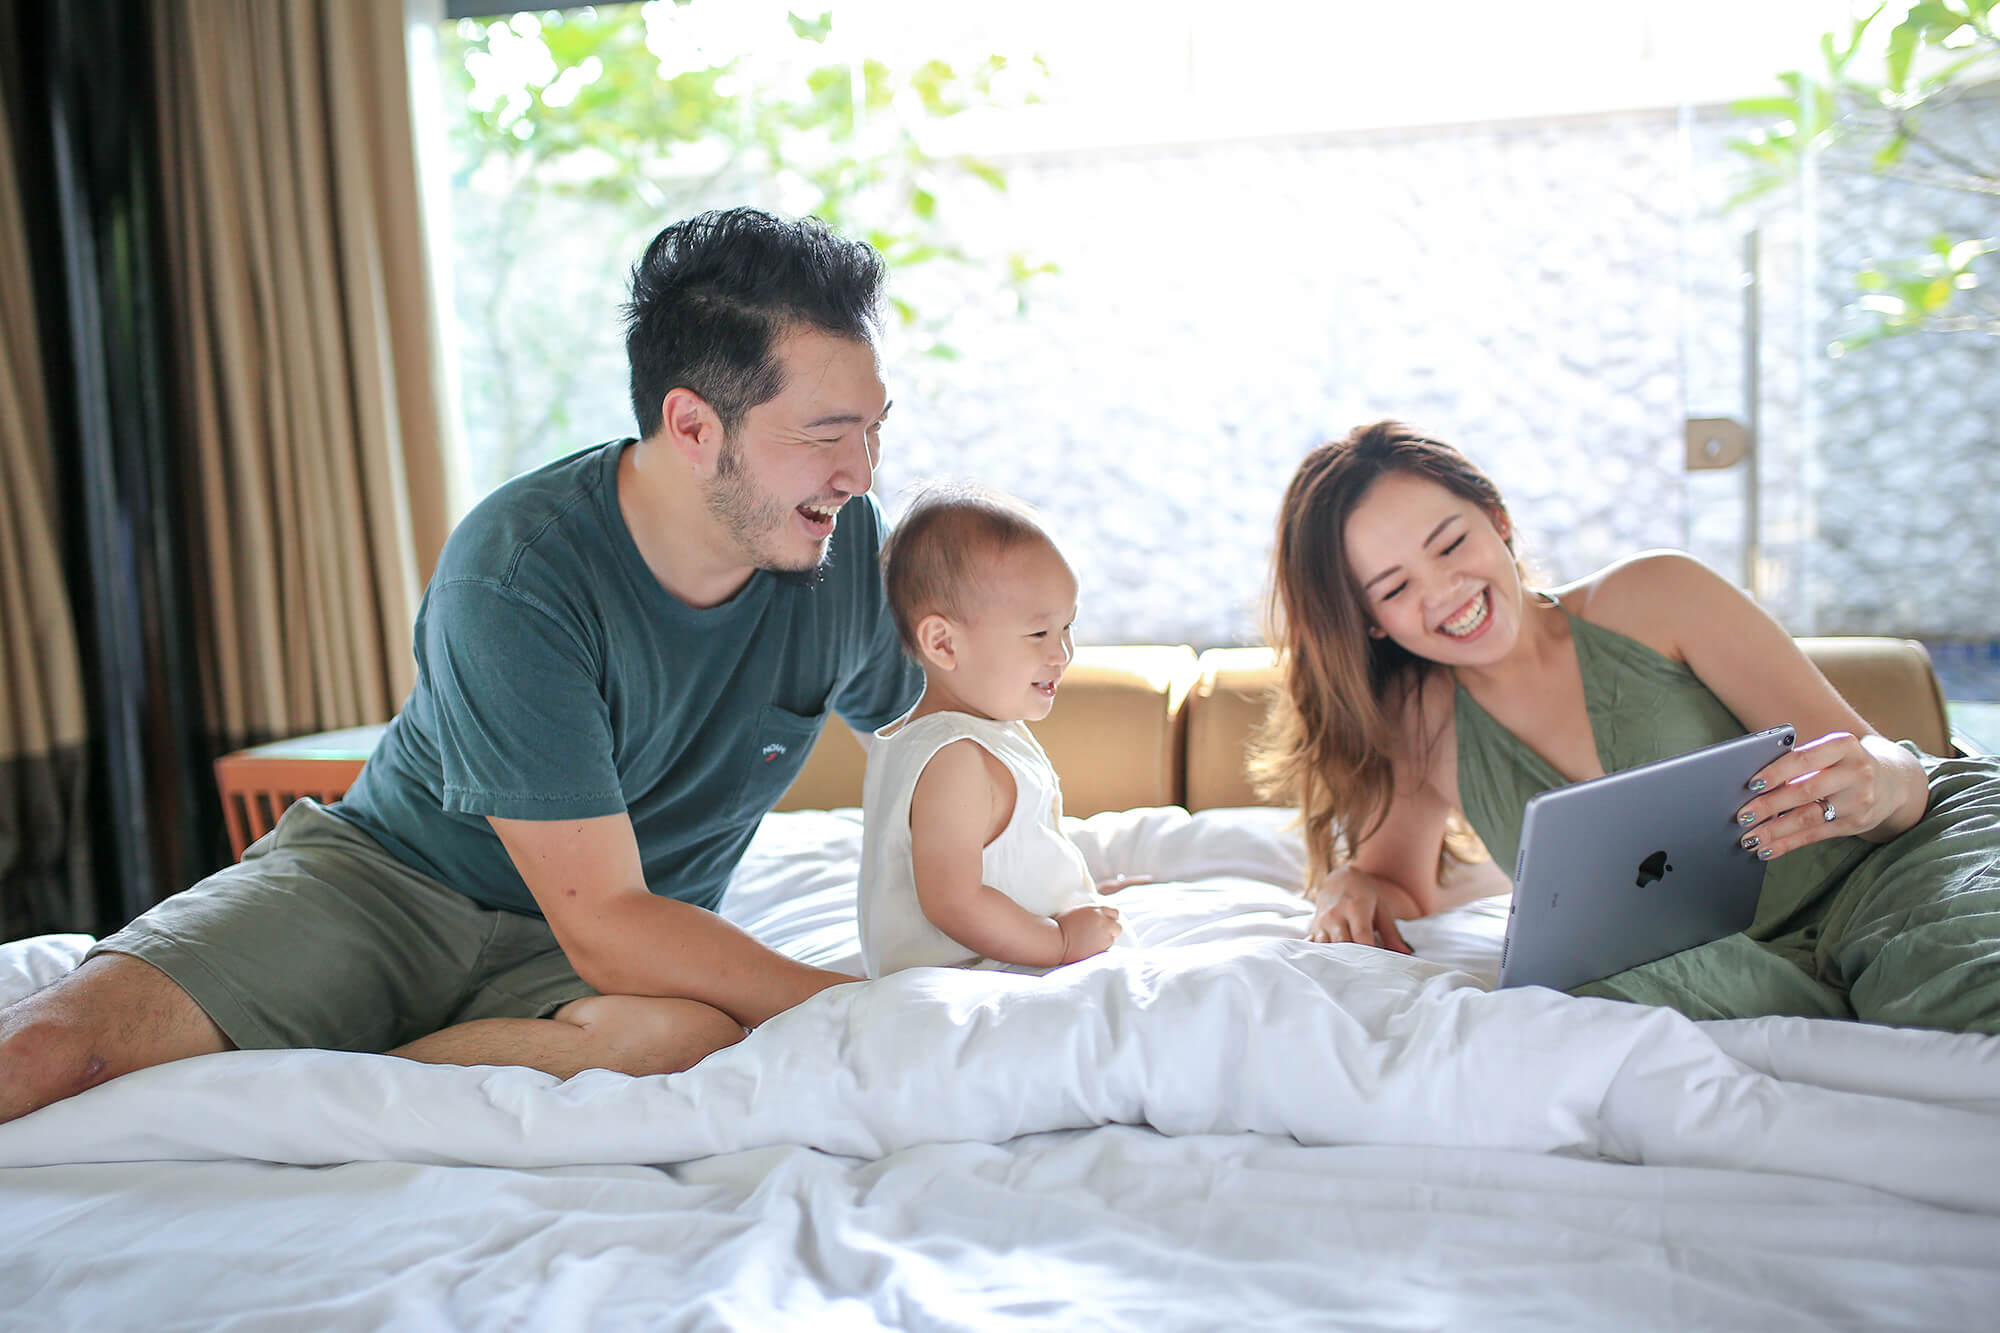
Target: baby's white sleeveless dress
[[1031, 861]]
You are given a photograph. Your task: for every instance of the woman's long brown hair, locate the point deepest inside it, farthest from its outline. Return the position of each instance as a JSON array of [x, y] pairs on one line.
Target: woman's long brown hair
[[1328, 743]]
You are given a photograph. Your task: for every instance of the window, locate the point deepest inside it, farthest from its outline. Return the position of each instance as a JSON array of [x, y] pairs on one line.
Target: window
[[1143, 263]]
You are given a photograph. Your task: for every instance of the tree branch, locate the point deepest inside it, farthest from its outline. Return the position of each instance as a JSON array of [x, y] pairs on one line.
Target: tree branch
[[1906, 128]]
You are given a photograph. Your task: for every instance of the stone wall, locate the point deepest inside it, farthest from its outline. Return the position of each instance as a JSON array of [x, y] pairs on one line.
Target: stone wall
[[1555, 297]]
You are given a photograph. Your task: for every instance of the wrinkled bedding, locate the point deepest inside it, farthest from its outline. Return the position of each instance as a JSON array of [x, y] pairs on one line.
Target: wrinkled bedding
[[1224, 1126]]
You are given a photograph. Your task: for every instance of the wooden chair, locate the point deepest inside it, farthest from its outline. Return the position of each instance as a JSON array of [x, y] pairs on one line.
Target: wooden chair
[[257, 784]]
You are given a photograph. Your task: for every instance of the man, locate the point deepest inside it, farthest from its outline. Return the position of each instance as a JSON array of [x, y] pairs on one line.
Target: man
[[623, 659]]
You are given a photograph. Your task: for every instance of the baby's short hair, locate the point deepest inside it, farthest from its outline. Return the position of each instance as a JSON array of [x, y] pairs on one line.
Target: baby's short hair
[[937, 549]]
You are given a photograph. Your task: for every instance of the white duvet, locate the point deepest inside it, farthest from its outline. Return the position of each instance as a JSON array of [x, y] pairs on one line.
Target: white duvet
[[1226, 1120]]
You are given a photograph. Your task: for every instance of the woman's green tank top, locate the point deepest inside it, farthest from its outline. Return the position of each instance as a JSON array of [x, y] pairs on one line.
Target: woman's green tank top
[[1642, 706]]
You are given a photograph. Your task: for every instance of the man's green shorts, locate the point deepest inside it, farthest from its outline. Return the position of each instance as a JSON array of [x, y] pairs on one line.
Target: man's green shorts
[[319, 937]]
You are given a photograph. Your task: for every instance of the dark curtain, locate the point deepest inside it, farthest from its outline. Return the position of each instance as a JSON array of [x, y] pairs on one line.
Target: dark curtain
[[80, 91]]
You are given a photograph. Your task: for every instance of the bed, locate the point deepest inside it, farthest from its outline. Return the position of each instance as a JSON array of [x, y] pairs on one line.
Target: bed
[[1223, 1126]]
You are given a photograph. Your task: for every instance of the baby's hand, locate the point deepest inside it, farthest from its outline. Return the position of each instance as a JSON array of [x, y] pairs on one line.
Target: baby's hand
[[1087, 930]]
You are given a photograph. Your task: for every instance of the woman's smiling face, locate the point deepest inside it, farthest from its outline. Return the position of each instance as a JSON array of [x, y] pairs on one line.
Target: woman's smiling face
[[1434, 570]]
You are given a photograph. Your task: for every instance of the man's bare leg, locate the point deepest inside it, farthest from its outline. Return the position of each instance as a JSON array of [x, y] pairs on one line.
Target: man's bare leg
[[110, 1016], [629, 1033]]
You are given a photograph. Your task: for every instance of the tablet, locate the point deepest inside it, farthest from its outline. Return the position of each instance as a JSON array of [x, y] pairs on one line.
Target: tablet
[[1633, 866]]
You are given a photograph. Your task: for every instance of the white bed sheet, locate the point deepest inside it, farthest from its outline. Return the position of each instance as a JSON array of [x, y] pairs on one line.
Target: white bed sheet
[[1306, 1136]]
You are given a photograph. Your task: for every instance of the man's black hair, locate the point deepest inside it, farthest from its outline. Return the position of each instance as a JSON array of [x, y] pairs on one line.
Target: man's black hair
[[714, 292]]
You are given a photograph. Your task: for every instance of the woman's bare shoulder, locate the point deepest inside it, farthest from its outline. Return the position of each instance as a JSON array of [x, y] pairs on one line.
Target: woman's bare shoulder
[[1645, 596]]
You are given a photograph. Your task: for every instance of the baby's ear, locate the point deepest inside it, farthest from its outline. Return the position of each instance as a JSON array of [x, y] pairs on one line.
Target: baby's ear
[[935, 642]]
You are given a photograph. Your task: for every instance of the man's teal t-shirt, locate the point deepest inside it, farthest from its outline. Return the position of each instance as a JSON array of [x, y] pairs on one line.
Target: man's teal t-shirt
[[556, 679]]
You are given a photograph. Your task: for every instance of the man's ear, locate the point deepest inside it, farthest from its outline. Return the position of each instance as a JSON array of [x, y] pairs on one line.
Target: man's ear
[[935, 640], [691, 427]]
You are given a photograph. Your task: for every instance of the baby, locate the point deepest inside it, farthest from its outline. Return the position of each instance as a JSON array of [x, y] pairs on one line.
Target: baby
[[963, 858]]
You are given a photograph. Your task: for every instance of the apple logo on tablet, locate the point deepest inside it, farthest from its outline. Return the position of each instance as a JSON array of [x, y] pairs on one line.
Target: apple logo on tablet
[[1653, 868]]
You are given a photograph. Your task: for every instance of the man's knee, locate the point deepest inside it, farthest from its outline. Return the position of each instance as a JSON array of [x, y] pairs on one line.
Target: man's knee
[[44, 1060], [112, 1015], [47, 1052], [646, 1035]]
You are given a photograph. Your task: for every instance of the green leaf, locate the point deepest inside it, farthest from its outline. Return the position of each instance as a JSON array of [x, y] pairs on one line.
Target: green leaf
[[1934, 21], [1753, 191], [1826, 110], [1786, 107], [1902, 46], [1835, 56], [985, 171], [812, 29], [1020, 270]]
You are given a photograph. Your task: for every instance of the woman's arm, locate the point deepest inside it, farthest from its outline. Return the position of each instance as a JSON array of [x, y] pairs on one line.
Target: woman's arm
[[1677, 605], [1391, 874], [959, 805]]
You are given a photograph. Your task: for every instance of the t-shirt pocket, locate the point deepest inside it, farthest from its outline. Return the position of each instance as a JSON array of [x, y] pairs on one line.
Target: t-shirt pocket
[[778, 747]]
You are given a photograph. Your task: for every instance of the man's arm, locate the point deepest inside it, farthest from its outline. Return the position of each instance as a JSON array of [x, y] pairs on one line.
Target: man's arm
[[587, 878]]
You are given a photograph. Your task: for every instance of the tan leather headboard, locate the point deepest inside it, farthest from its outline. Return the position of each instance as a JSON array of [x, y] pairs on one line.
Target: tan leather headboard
[[1889, 681], [1152, 724], [1232, 694], [1114, 736]]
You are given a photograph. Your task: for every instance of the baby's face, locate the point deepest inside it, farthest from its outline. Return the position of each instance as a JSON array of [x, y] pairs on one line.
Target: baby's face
[[1015, 645]]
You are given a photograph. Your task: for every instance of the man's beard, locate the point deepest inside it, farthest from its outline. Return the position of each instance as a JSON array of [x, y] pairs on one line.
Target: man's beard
[[750, 518], [806, 578]]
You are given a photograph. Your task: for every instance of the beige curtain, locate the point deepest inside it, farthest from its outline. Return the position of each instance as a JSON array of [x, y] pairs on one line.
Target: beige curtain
[[298, 286], [44, 730]]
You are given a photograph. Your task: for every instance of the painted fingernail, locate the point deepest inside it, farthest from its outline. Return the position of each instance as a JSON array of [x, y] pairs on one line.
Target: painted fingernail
[[1763, 853], [1750, 843], [1745, 817], [1758, 784]]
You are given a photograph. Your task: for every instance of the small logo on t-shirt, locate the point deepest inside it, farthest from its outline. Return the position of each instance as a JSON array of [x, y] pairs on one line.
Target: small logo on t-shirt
[[772, 751]]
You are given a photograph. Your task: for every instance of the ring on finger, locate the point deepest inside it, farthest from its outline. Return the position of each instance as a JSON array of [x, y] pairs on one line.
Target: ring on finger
[[1827, 813]]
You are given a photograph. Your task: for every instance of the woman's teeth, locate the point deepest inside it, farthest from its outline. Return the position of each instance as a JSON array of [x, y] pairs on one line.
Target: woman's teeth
[[1468, 620]]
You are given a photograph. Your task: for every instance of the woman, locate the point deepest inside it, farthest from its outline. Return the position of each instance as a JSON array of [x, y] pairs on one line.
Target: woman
[[1425, 679]]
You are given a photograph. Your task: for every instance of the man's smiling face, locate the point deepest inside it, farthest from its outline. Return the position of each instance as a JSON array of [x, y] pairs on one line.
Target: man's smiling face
[[781, 478]]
